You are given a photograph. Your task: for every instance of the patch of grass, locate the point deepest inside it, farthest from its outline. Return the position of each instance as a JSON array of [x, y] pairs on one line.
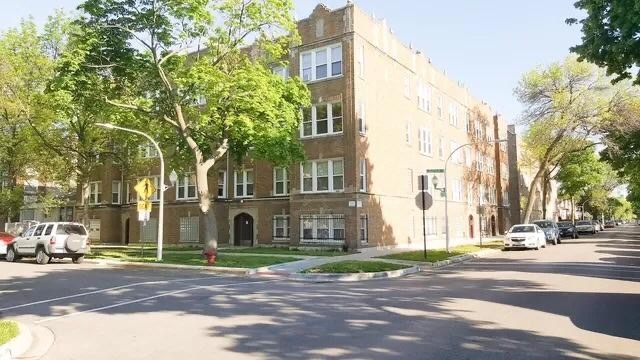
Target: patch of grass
[[284, 251], [441, 254], [355, 266], [149, 247], [8, 330], [247, 261]]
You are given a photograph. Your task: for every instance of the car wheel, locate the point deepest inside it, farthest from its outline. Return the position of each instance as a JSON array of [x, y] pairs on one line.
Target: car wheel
[[78, 259], [593, 232], [11, 255], [554, 241], [41, 257]]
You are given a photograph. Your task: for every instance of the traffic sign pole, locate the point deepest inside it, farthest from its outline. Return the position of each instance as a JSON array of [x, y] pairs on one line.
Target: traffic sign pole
[[424, 222]]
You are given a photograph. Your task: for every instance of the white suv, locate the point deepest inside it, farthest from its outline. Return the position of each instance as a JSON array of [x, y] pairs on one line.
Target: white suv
[[51, 240]]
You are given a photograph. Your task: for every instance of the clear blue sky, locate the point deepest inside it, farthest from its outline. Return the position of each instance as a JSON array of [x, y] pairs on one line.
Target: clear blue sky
[[486, 44]]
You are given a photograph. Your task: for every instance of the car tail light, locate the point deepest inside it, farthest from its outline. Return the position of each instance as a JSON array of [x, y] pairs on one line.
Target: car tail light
[[52, 240]]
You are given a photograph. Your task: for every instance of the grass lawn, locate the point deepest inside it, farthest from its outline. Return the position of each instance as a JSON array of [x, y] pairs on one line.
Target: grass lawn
[[247, 261], [8, 330], [441, 254], [284, 251], [355, 266]]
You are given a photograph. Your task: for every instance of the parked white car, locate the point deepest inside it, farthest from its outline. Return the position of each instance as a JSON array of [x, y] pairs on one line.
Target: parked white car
[[586, 226], [525, 236], [51, 240]]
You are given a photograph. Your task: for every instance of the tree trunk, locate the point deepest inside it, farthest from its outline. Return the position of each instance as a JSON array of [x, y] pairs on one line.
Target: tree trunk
[[207, 215], [573, 210], [532, 192], [85, 203], [545, 178]]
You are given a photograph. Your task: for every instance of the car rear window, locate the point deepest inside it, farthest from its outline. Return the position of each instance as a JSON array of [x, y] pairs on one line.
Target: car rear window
[[522, 229], [543, 224], [69, 229]]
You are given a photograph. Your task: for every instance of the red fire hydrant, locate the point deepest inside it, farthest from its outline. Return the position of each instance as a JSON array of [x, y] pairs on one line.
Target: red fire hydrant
[[210, 255]]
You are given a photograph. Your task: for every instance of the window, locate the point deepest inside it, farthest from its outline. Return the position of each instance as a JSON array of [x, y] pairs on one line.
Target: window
[[470, 194], [324, 229], [39, 230], [504, 171], [467, 157], [363, 175], [441, 147], [483, 195], [280, 181], [281, 228], [424, 97], [480, 162], [467, 123], [49, 229], [127, 193], [222, 184], [116, 190], [189, 229], [244, 183], [322, 119], [364, 229], [431, 225], [491, 166], [321, 63], [410, 182], [457, 156], [456, 193], [148, 151], [149, 230], [322, 176], [407, 85], [95, 192], [505, 198], [362, 122], [453, 114], [186, 187], [407, 133], [439, 106], [361, 61], [281, 71], [424, 141], [202, 101]]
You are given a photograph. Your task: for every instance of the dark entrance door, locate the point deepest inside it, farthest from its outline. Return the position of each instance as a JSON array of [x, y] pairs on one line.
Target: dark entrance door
[[471, 226], [126, 232], [243, 230], [493, 225]]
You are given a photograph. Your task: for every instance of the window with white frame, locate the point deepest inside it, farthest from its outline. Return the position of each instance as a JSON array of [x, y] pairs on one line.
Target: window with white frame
[[186, 187], [364, 229], [424, 97], [361, 61], [453, 114], [505, 198], [483, 195], [322, 63], [457, 156], [281, 71], [116, 192], [280, 181], [491, 166], [441, 147], [407, 85], [478, 129], [363, 175], [431, 225], [467, 122], [480, 162], [504, 171], [222, 184], [456, 190], [440, 105], [410, 183], [490, 134], [322, 119], [407, 133], [127, 193], [189, 228], [244, 183], [470, 194], [322, 176], [362, 122], [95, 192], [424, 136], [148, 151], [281, 228], [322, 228]]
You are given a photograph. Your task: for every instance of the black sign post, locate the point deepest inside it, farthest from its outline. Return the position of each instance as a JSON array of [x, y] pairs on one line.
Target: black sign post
[[423, 190]]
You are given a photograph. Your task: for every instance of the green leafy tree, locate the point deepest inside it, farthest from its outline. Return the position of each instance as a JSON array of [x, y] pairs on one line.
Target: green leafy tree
[[579, 172], [566, 104], [165, 55], [611, 36]]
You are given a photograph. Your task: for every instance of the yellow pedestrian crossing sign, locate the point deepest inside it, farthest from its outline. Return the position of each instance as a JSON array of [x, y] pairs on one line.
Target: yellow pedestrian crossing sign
[[144, 205], [145, 189]]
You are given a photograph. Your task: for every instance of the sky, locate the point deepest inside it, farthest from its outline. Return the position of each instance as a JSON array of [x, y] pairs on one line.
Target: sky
[[486, 44]]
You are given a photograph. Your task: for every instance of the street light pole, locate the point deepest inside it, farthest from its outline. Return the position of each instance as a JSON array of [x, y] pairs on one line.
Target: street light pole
[[446, 191], [162, 185]]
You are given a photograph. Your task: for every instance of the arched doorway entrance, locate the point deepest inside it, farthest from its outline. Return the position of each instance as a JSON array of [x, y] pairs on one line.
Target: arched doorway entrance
[[471, 234], [243, 230], [493, 225]]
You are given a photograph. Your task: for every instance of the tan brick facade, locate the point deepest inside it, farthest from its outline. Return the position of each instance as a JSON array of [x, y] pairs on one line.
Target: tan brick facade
[[383, 81]]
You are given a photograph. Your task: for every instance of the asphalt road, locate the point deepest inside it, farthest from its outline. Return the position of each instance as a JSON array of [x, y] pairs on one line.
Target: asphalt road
[[580, 299]]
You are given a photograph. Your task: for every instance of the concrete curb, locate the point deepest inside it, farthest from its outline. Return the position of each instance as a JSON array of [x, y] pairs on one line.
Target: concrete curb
[[462, 258], [18, 345], [351, 277], [217, 269]]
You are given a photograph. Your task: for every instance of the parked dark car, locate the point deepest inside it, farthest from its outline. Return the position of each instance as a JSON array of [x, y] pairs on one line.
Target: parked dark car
[[567, 229], [551, 231], [609, 224]]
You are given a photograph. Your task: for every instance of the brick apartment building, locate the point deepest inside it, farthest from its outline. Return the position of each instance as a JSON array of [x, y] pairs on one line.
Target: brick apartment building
[[382, 114]]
